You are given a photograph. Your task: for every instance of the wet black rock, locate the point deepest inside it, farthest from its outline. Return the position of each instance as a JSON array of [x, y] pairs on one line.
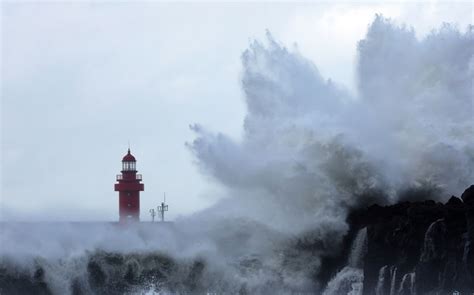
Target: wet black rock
[[468, 196], [420, 247], [468, 259]]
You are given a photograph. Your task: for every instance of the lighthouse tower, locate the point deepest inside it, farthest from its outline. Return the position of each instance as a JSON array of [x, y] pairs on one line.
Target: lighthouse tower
[[129, 188]]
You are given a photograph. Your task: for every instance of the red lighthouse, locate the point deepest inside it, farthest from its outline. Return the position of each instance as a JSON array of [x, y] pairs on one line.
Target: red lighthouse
[[129, 188]]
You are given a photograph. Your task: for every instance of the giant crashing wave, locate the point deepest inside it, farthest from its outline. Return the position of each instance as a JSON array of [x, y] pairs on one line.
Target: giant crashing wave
[[311, 152]]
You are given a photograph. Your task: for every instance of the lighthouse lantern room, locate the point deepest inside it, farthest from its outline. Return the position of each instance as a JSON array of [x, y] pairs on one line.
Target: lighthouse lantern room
[[129, 188]]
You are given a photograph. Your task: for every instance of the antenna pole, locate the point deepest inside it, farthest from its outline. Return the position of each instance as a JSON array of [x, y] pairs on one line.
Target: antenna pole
[[153, 214], [162, 208]]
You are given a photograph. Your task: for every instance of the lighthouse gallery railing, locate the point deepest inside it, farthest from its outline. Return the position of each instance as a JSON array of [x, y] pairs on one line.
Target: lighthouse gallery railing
[[137, 177]]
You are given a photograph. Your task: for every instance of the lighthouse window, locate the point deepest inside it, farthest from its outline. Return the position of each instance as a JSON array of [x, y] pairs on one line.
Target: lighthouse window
[[128, 166]]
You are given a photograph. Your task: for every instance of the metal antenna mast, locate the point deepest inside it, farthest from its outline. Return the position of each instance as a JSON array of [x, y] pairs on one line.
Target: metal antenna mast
[[162, 208], [153, 214]]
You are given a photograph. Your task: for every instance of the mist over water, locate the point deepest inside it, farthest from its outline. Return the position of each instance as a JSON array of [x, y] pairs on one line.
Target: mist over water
[[311, 151]]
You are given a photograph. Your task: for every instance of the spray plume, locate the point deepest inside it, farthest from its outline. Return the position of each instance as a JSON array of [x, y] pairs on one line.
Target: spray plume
[[311, 150]]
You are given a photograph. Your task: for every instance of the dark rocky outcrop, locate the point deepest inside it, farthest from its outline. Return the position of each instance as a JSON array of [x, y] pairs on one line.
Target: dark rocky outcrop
[[20, 282], [419, 247]]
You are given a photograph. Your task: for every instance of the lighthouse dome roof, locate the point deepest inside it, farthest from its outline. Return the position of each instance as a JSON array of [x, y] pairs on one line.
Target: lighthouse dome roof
[[129, 157]]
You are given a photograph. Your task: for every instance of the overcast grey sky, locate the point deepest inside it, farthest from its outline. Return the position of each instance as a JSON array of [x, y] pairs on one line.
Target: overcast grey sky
[[80, 80]]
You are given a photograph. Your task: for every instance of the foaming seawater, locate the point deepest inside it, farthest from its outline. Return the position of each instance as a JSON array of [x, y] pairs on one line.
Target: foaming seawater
[[350, 279], [105, 258]]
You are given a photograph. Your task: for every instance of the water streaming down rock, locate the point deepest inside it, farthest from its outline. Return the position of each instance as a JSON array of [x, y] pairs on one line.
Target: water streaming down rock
[[393, 280], [381, 282], [358, 249], [387, 282], [432, 256], [407, 284], [350, 279], [412, 283], [433, 244]]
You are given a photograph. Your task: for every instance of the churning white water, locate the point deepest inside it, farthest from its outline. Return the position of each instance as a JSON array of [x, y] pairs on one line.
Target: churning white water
[[350, 279]]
